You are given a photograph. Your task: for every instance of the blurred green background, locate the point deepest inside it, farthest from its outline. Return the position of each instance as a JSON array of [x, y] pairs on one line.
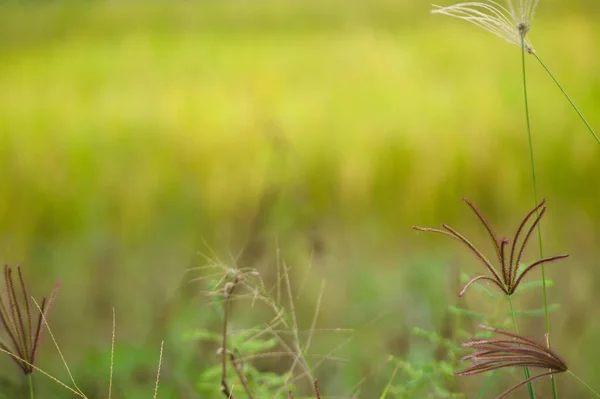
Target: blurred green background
[[137, 136]]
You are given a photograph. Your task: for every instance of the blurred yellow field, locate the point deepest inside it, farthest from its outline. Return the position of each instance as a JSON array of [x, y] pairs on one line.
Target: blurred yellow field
[[135, 135]]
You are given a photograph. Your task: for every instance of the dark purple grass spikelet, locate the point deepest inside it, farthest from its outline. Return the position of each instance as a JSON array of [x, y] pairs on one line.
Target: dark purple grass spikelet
[[16, 319], [512, 351], [507, 278]]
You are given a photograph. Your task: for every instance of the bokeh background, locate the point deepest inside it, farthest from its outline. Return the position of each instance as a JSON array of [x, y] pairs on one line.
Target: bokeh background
[[138, 138]]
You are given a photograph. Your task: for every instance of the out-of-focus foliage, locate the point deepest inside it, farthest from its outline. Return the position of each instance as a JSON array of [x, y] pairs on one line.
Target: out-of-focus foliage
[[134, 135]]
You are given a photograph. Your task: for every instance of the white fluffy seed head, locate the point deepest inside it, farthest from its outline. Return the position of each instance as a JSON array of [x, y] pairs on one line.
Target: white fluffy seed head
[[510, 23]]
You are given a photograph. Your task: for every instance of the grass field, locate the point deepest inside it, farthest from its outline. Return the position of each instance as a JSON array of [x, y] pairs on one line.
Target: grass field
[[134, 136]]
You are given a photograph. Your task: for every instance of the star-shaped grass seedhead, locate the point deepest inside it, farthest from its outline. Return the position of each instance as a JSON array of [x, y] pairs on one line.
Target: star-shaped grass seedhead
[[509, 22], [511, 350], [508, 278], [17, 320]]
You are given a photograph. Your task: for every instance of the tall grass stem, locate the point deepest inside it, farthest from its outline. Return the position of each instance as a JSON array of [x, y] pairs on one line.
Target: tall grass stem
[[535, 199], [487, 384], [592, 390], [525, 369]]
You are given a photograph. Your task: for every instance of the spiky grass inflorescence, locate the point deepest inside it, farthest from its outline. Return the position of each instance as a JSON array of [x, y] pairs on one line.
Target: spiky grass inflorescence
[[317, 392], [24, 333], [512, 350], [508, 277], [510, 23]]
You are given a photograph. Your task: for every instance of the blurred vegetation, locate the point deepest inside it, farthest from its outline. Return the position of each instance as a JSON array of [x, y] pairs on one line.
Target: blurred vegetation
[[137, 136]]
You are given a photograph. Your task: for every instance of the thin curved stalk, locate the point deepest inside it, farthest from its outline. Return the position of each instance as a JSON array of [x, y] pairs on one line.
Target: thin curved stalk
[[569, 99], [478, 278], [527, 381], [491, 233], [589, 388], [487, 384]]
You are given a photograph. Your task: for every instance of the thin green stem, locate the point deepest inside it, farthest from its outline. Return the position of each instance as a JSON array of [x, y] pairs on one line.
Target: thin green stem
[[525, 369], [535, 198], [592, 390], [492, 377], [30, 379], [488, 384], [535, 193], [569, 99]]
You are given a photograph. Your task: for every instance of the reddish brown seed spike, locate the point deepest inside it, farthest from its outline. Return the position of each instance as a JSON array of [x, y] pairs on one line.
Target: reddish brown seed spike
[[20, 331], [26, 300], [432, 230], [525, 241], [15, 357], [519, 230], [9, 327], [538, 263], [488, 227], [507, 279], [478, 278], [37, 337], [504, 353], [505, 273], [24, 341], [514, 268], [476, 252]]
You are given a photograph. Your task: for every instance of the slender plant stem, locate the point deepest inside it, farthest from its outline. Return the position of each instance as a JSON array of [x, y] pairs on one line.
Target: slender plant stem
[[30, 379], [488, 384], [535, 193], [525, 369], [492, 377], [569, 99], [592, 390], [535, 198]]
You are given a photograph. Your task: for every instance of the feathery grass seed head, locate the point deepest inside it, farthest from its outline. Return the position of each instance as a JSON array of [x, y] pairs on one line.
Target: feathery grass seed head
[[510, 22]]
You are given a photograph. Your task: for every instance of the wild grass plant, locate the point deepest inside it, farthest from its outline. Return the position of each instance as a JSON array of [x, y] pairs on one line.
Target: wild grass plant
[[18, 314], [512, 23], [22, 329], [279, 337]]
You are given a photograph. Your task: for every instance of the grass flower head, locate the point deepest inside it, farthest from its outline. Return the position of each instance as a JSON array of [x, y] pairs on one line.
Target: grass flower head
[[510, 22], [16, 316], [508, 277], [511, 350]]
